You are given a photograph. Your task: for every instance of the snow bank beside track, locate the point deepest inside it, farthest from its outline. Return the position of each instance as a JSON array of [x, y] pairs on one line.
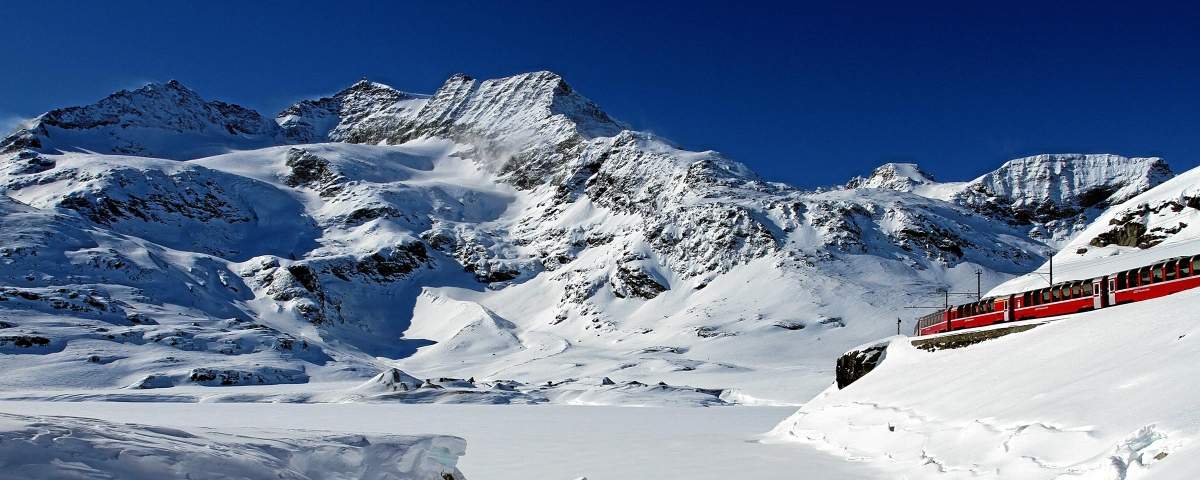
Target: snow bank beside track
[[1102, 395]]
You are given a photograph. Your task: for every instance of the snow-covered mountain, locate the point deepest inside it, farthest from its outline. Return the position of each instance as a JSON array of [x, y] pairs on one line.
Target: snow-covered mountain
[[165, 120], [1053, 196], [499, 229]]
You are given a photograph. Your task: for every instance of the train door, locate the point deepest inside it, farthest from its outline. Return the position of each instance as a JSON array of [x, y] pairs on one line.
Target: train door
[[1099, 293], [1009, 313], [1111, 291]]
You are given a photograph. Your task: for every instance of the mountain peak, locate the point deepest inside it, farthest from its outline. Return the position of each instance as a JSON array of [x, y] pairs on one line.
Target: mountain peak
[[165, 120], [505, 105], [347, 115], [893, 176]]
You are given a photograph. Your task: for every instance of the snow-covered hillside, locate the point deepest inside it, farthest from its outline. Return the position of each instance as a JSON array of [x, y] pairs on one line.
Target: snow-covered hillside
[[505, 231], [1096, 395]]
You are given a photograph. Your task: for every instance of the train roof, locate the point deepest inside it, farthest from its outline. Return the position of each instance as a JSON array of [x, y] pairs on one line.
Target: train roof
[[1072, 267]]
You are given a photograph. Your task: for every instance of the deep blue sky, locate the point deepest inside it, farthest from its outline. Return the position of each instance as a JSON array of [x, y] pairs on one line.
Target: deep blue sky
[[808, 94]]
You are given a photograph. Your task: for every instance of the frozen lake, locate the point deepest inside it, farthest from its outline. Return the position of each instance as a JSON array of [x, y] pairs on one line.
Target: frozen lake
[[510, 442]]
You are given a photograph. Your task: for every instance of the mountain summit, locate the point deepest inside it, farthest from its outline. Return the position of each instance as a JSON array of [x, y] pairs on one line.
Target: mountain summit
[[165, 120]]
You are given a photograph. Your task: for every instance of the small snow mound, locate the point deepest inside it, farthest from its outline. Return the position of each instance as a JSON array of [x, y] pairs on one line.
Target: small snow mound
[[390, 380]]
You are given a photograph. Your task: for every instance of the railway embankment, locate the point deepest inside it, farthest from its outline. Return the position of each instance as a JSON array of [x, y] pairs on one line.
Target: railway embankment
[[856, 363]]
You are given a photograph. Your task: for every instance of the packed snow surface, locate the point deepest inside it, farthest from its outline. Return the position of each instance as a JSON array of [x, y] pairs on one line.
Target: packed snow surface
[[515, 442]]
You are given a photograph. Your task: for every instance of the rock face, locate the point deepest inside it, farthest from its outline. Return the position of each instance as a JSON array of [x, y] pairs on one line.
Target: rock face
[[854, 364], [511, 223], [1059, 195]]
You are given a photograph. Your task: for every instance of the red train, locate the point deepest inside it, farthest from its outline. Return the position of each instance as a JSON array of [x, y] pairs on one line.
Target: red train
[[1162, 278]]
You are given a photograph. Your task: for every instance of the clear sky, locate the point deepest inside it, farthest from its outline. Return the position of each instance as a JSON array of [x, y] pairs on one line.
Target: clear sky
[[805, 93]]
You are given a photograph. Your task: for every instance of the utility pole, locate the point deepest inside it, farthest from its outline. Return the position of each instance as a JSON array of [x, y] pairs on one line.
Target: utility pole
[[978, 284], [1049, 280]]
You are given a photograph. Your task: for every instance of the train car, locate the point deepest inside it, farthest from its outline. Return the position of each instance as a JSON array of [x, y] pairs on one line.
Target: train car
[[1058, 299], [1163, 278], [932, 323]]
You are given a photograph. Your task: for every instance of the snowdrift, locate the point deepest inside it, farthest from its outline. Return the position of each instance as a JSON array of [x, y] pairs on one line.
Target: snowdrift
[[36, 447]]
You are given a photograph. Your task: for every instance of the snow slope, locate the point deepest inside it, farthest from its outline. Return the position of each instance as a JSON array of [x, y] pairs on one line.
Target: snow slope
[[505, 230], [41, 447]]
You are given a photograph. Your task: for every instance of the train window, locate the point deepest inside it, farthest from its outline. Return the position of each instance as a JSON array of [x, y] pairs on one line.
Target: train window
[[1025, 298], [1077, 290], [1157, 271], [1195, 264], [1169, 270], [1087, 289], [1121, 281], [1145, 276], [1185, 268], [1046, 296], [1055, 294]]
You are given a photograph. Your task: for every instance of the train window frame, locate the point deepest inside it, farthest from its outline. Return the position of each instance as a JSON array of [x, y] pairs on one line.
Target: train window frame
[[1045, 296], [1157, 273], [1185, 268], [1077, 290], [1145, 276], [1055, 294], [1026, 299], [1170, 270], [1121, 285], [1087, 288]]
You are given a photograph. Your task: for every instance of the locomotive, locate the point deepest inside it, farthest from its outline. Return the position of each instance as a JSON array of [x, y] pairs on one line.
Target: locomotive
[[1151, 281]]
